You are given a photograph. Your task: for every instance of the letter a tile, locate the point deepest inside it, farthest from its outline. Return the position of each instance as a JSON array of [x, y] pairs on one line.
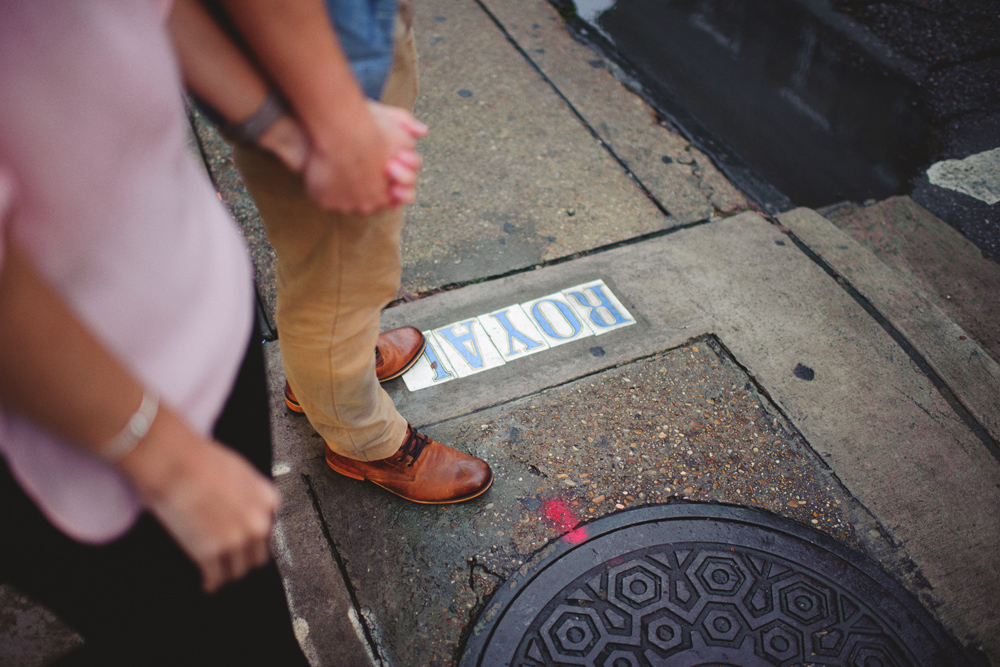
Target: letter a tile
[[556, 320], [598, 307], [467, 347], [431, 368], [513, 333]]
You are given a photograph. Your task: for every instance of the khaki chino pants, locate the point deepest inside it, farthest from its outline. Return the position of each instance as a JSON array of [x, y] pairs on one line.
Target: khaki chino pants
[[335, 273]]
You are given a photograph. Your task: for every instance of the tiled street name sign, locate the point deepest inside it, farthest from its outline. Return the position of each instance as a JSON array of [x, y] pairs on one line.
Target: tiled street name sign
[[490, 340]]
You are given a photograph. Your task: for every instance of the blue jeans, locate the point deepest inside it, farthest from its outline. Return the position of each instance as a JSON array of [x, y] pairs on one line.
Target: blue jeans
[[365, 30]]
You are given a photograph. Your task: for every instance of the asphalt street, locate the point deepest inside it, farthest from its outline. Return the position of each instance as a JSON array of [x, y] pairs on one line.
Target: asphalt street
[[814, 103]]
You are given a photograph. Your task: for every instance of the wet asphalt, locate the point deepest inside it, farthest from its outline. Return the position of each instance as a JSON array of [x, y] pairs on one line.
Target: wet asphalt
[[808, 103]]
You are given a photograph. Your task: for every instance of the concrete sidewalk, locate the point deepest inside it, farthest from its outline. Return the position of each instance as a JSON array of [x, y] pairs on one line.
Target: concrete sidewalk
[[775, 364], [779, 364]]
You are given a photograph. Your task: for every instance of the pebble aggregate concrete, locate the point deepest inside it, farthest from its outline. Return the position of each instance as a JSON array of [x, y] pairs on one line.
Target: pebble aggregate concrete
[[30, 635], [686, 425]]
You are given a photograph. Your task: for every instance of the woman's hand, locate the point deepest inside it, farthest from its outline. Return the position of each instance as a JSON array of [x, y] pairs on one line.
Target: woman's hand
[[209, 498], [56, 373]]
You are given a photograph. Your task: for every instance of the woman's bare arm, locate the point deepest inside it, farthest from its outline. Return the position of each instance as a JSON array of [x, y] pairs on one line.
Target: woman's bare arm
[[350, 167], [56, 373], [219, 73]]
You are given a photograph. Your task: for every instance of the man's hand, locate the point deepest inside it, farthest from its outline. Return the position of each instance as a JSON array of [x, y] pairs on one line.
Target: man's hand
[[403, 166]]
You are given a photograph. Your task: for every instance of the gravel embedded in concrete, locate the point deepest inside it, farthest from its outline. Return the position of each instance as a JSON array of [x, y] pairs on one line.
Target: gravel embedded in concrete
[[687, 425]]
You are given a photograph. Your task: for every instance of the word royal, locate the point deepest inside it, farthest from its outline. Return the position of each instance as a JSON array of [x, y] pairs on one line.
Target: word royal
[[494, 339]]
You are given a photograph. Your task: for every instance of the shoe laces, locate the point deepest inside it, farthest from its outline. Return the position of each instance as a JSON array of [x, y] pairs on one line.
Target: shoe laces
[[412, 446], [378, 356]]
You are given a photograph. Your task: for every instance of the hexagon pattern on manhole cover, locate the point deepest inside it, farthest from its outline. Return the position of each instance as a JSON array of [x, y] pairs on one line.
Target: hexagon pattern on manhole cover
[[691, 585]]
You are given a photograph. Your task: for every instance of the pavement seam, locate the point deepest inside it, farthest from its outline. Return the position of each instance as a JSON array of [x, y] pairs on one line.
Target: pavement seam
[[362, 618], [604, 144], [762, 391], [922, 365], [898, 562], [905, 563], [599, 371], [451, 287]]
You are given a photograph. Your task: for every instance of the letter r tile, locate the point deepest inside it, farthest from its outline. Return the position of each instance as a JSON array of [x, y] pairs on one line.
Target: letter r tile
[[513, 332], [467, 347], [598, 307], [556, 320], [431, 368]]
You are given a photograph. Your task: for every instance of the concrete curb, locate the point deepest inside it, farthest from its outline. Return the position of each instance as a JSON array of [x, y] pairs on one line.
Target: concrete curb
[[967, 370]]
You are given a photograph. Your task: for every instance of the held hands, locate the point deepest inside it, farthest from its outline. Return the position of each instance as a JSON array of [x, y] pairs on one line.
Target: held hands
[[209, 498], [365, 165], [403, 165]]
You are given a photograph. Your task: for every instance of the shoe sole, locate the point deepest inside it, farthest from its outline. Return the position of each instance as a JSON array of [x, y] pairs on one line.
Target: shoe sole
[[408, 365], [452, 501], [294, 407]]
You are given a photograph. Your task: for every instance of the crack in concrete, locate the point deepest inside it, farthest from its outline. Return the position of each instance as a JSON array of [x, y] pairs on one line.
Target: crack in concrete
[[358, 615], [450, 287], [477, 588], [938, 418], [481, 597]]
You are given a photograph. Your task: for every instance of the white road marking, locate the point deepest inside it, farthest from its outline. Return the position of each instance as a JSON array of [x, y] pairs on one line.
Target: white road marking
[[977, 175]]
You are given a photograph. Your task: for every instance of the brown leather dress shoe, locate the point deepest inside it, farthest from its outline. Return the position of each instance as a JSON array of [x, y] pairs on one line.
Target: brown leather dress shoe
[[423, 471], [395, 353]]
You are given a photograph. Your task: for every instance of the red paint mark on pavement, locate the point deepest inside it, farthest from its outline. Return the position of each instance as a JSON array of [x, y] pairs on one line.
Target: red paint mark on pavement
[[558, 513]]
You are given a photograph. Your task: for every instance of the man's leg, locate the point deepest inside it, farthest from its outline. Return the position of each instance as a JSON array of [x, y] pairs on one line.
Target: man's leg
[[335, 273]]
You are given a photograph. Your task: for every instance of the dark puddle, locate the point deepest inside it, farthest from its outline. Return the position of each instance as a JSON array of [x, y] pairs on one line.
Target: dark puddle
[[791, 102]]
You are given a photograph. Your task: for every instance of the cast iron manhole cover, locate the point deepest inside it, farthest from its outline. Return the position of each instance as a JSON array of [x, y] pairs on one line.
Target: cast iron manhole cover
[[699, 585]]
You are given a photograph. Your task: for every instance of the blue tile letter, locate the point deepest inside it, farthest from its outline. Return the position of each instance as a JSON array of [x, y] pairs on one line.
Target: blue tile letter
[[440, 372], [465, 344], [512, 334], [567, 313], [602, 306]]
